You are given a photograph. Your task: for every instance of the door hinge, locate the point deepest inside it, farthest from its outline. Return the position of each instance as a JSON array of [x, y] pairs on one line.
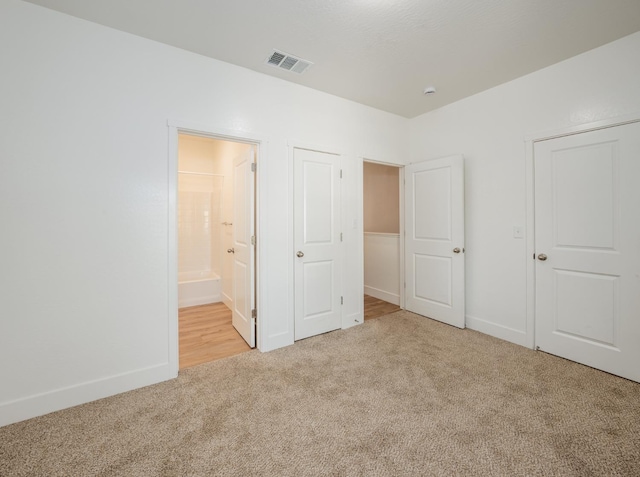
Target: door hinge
[[340, 173], [253, 167], [342, 300], [254, 314], [253, 240], [341, 236]]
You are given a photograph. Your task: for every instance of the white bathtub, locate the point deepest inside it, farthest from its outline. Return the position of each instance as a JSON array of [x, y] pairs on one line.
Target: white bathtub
[[198, 289]]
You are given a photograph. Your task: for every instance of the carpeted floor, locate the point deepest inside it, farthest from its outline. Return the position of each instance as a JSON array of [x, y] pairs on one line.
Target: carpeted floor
[[399, 395]]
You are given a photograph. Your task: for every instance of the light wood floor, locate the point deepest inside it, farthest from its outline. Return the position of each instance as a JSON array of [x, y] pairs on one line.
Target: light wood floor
[[206, 332], [374, 307]]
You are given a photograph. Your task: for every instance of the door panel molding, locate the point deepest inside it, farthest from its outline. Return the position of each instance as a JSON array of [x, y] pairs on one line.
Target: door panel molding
[[243, 246]]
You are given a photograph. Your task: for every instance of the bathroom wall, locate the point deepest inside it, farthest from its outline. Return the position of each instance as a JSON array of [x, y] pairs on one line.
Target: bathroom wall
[[199, 210], [214, 156]]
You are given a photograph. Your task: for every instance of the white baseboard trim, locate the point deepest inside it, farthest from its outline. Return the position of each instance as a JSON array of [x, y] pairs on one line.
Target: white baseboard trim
[[226, 299], [382, 295], [45, 403], [498, 331], [353, 319]]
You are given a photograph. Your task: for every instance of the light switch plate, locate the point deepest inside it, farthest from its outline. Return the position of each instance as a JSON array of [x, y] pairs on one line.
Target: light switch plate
[[518, 231]]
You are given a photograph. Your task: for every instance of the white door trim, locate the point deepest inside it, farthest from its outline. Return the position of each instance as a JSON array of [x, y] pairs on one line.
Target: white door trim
[[530, 140], [261, 142]]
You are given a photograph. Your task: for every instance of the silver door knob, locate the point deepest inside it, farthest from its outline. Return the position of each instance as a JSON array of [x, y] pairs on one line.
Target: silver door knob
[[456, 250], [230, 250], [542, 257], [300, 254]]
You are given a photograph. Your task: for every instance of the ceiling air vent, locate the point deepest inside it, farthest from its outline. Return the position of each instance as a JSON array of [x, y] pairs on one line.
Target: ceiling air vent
[[287, 62]]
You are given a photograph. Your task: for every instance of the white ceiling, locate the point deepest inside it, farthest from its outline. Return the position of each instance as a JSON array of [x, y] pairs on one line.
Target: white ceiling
[[381, 53]]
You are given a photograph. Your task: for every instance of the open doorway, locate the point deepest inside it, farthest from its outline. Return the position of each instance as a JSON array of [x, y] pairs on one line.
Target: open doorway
[[382, 245], [216, 248]]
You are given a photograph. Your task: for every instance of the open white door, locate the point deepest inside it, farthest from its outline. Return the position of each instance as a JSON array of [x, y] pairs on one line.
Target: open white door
[[587, 240], [318, 260], [244, 246], [434, 239]]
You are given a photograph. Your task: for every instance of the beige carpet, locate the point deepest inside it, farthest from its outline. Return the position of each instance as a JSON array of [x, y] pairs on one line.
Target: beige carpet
[[400, 395]]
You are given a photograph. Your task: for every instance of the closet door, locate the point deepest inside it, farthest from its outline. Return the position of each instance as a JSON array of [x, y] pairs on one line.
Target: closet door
[[318, 248], [587, 241]]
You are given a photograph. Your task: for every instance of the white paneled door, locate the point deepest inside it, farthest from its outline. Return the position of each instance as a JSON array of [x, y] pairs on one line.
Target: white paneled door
[[317, 240], [434, 239], [587, 241], [244, 246]]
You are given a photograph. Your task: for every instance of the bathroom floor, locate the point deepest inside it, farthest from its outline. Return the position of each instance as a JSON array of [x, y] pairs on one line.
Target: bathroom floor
[[206, 334]]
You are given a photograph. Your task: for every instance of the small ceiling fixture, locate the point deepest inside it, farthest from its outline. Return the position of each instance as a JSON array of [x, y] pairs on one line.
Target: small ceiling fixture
[[430, 90], [284, 61]]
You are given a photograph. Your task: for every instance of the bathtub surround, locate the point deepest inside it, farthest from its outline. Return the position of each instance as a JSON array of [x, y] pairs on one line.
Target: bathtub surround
[[213, 158], [199, 291], [199, 224], [199, 236], [205, 219]]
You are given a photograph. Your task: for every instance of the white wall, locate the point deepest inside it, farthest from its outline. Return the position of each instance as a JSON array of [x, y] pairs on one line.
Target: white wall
[[489, 130], [381, 198], [84, 191], [382, 266], [84, 200], [381, 204]]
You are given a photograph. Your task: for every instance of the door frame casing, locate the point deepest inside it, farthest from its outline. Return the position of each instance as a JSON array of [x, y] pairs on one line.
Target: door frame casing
[[530, 141], [260, 142]]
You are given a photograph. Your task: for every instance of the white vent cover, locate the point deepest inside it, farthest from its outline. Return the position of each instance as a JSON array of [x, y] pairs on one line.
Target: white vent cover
[[287, 62]]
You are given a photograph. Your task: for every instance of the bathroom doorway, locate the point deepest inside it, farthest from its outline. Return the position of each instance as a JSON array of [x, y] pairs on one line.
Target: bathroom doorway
[[216, 248]]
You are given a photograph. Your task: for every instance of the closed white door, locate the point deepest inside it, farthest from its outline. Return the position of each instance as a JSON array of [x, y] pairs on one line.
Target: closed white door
[[244, 246], [587, 241], [434, 239], [318, 257]]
